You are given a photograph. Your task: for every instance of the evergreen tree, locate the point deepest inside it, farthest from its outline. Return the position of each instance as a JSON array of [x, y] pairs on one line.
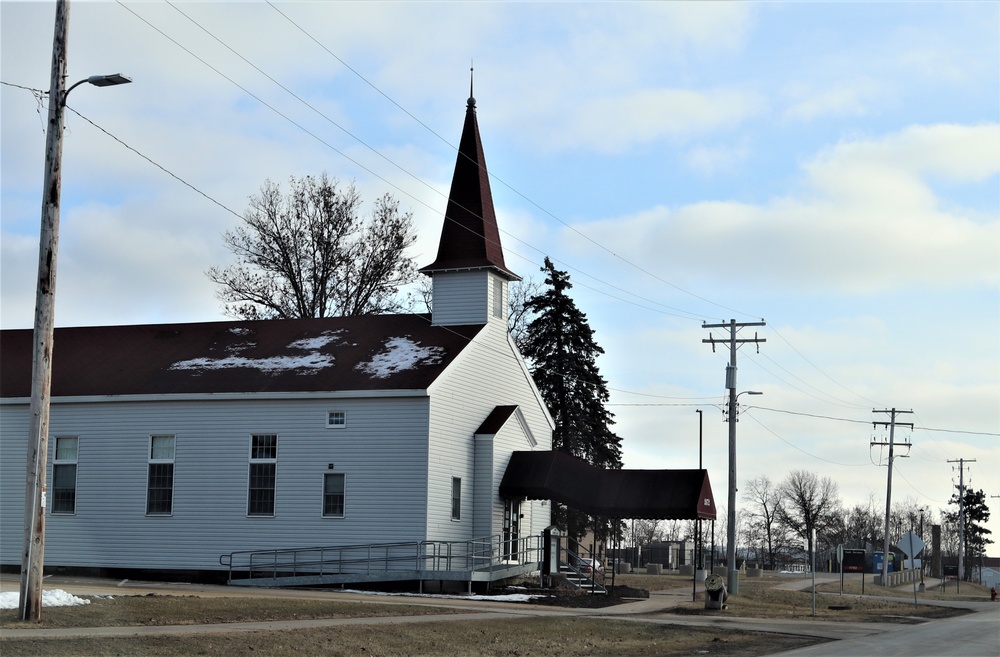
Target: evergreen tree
[[976, 515], [562, 353]]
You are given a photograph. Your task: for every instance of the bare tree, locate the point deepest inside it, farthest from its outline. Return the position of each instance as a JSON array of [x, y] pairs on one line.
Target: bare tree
[[519, 313], [309, 253], [764, 501], [646, 531], [808, 503], [863, 524]]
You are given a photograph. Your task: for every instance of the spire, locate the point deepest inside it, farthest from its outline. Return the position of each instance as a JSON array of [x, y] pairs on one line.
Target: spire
[[472, 80], [470, 238]]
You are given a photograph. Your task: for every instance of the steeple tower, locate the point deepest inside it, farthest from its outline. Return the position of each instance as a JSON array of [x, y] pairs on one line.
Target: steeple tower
[[469, 275]]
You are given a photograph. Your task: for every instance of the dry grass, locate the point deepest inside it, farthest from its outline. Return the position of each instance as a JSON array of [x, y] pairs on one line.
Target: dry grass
[[651, 582], [542, 636], [966, 592], [563, 637], [150, 610], [758, 598]]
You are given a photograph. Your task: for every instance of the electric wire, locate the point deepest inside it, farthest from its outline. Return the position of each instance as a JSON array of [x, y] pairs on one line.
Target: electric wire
[[513, 189], [389, 160], [676, 311], [794, 446], [158, 166]]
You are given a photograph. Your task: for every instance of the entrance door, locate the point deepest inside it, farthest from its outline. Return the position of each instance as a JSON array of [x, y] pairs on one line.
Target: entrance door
[[511, 528]]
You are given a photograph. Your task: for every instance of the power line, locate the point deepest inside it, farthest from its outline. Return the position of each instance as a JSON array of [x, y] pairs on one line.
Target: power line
[[677, 311], [794, 446], [159, 166], [425, 126], [513, 189]]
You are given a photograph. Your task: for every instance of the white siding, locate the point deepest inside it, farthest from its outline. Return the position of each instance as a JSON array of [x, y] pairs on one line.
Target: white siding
[[467, 298], [492, 456], [488, 374], [382, 451]]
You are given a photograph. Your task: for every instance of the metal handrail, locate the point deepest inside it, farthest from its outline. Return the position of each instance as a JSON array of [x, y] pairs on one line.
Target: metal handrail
[[484, 553]]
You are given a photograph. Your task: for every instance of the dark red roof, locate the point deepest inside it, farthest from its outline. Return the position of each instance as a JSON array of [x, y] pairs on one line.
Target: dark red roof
[[385, 352], [470, 238], [651, 494], [495, 420]]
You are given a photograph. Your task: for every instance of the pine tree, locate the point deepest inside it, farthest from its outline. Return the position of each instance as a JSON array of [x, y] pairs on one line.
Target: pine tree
[[562, 353], [976, 515]]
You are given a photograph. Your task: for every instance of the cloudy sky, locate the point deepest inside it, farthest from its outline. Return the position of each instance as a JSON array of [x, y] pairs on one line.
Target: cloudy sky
[[832, 169]]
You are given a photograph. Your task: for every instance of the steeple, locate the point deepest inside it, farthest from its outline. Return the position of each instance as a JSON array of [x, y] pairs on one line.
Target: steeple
[[470, 239]]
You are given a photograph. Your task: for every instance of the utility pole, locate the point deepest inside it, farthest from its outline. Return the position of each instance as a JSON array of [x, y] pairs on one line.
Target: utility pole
[[733, 583], [32, 556], [699, 558], [961, 519], [888, 486]]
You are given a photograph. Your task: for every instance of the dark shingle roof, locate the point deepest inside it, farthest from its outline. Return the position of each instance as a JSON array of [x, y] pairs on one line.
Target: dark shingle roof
[[660, 494], [495, 420], [386, 352], [470, 238]]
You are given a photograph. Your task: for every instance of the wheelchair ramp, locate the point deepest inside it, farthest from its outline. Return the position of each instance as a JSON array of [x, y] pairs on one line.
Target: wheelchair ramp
[[481, 560]]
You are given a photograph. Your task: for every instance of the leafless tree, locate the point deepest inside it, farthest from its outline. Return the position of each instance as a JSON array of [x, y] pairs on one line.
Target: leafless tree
[[519, 314], [646, 531], [764, 501], [809, 502], [310, 253], [864, 524]]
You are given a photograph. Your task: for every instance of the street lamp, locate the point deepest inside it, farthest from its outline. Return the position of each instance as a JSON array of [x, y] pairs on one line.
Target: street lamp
[[32, 556], [733, 579]]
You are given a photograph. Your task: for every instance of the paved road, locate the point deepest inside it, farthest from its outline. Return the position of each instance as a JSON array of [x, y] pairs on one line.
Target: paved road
[[973, 635]]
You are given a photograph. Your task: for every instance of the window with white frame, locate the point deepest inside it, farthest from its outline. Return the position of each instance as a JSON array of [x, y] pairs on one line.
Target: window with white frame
[[456, 498], [333, 495], [160, 476], [263, 468], [336, 419], [64, 474]]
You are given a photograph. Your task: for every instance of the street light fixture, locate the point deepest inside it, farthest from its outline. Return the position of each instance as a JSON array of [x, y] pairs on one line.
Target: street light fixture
[[100, 81], [32, 556], [733, 582]]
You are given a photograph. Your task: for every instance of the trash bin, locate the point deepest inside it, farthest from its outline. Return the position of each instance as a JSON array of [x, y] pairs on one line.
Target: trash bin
[[715, 592]]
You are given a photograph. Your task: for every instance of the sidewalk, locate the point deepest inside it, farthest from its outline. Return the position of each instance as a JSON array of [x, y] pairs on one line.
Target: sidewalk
[[655, 609]]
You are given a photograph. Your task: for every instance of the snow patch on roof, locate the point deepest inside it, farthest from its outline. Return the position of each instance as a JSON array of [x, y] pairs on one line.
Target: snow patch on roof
[[307, 362], [400, 354], [311, 361], [320, 341]]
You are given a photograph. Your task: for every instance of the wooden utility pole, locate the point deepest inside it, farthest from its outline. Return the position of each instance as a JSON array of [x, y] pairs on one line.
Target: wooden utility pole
[[892, 424], [733, 582], [32, 558], [961, 519]]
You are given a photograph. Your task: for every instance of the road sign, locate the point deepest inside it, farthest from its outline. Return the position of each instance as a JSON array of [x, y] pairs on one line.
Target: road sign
[[910, 544]]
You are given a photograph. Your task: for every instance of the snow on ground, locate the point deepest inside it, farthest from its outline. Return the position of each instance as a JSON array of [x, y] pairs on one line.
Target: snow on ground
[[509, 597], [60, 598], [51, 598]]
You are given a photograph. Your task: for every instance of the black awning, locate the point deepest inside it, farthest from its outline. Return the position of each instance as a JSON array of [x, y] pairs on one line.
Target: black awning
[[655, 494]]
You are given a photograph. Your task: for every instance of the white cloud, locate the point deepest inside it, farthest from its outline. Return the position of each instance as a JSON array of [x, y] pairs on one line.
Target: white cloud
[[710, 160], [867, 218], [614, 124], [843, 99]]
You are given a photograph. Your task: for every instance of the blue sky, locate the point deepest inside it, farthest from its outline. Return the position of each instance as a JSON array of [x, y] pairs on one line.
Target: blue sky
[[833, 168]]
